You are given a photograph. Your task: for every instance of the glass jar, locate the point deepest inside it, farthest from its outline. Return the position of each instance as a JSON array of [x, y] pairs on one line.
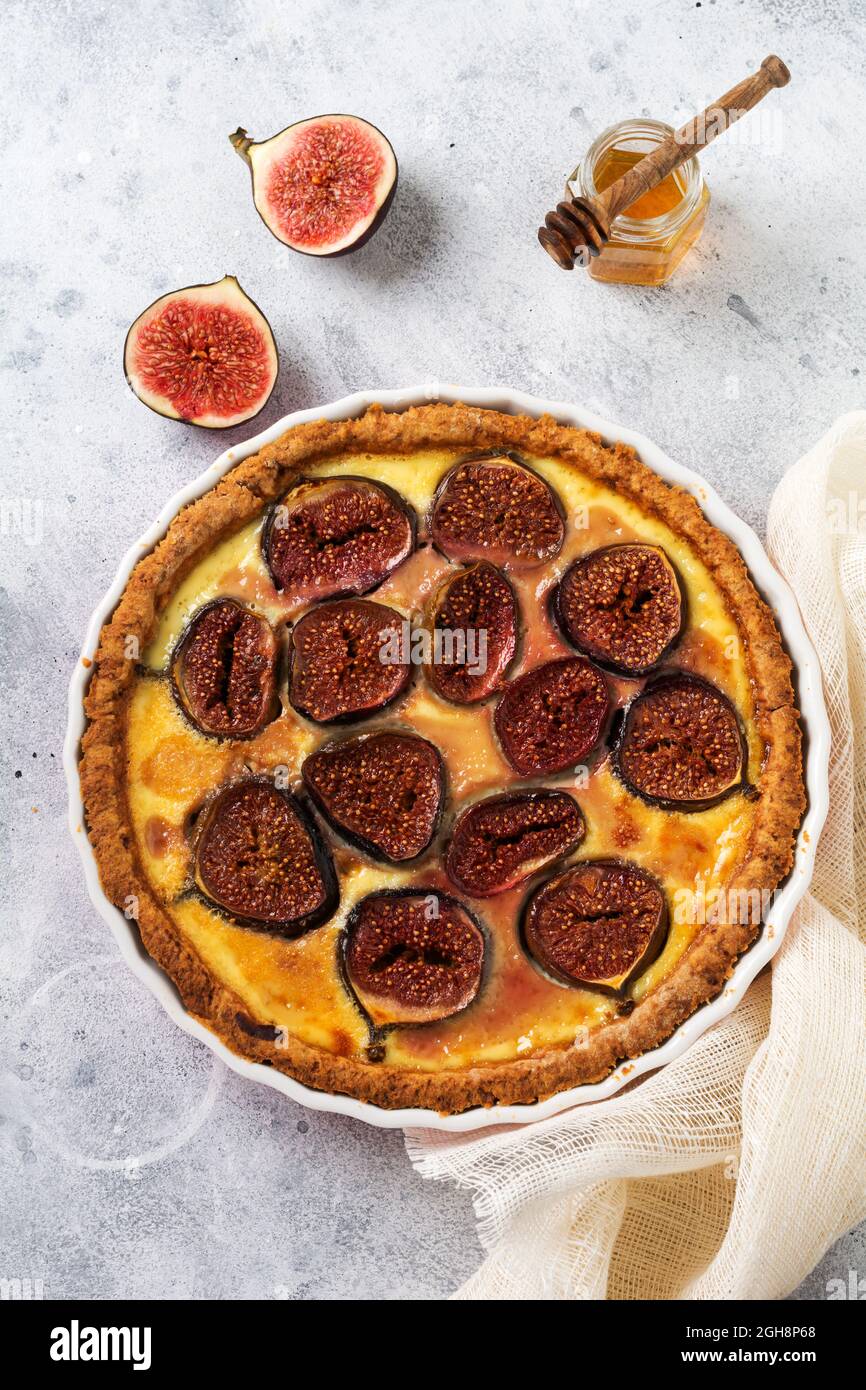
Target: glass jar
[[646, 244]]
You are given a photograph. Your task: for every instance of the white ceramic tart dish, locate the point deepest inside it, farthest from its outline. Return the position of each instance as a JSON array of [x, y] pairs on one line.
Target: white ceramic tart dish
[[544, 895]]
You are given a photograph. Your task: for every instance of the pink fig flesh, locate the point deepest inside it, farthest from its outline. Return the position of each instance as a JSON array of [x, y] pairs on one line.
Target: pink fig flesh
[[323, 185], [205, 355]]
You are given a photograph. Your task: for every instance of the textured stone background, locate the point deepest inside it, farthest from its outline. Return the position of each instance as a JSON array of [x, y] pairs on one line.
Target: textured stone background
[[133, 1163]]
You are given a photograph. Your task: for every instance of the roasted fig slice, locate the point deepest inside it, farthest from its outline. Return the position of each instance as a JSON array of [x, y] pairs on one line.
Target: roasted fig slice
[[474, 634], [323, 185], [503, 840], [205, 355], [348, 659], [382, 791], [412, 956], [622, 606], [335, 536], [259, 857], [680, 744], [553, 716], [223, 670], [600, 923], [493, 506]]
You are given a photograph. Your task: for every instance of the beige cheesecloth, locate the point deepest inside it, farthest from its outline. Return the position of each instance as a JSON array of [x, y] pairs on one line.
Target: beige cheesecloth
[[730, 1172]]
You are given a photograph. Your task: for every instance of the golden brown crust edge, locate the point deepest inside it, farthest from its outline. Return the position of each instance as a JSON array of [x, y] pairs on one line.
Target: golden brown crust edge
[[698, 976]]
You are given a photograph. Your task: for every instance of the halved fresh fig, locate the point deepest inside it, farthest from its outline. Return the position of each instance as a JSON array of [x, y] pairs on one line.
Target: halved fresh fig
[[205, 355], [493, 506], [503, 840], [412, 956], [334, 536], [680, 744], [382, 791], [622, 606], [223, 670], [600, 923], [259, 857], [474, 634], [323, 185], [348, 659], [553, 716]]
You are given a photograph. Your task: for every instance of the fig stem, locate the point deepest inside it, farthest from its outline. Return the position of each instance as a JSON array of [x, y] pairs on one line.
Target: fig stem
[[241, 142]]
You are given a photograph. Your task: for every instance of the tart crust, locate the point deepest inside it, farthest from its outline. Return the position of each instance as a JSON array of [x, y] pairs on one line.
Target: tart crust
[[700, 973]]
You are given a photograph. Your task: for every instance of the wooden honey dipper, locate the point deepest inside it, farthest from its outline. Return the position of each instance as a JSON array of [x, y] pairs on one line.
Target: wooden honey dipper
[[580, 228]]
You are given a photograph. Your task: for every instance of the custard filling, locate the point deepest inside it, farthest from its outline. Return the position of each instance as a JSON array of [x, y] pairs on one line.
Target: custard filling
[[296, 985]]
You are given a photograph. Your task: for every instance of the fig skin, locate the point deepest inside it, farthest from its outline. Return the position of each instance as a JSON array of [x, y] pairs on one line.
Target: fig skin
[[308, 543], [494, 506], [335, 672], [479, 599], [383, 792], [259, 858], [224, 671], [263, 158], [551, 717], [680, 745], [407, 966], [503, 840], [195, 339], [598, 924], [623, 606]]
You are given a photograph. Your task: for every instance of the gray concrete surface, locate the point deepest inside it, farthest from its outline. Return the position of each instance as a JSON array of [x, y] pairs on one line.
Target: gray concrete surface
[[120, 184]]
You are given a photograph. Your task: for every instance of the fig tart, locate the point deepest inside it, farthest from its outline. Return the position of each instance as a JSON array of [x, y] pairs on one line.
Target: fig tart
[[444, 758]]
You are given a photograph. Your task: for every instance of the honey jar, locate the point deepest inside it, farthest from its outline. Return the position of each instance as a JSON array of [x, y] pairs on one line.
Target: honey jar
[[648, 242]]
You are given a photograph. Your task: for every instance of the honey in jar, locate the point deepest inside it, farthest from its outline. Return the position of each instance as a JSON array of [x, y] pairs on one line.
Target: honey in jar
[[649, 240]]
